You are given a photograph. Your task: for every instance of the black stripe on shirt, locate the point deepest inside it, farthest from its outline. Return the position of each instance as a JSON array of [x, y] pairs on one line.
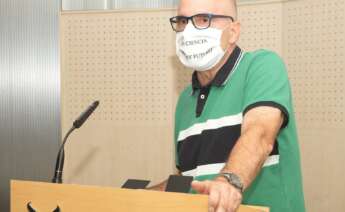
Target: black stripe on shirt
[[211, 146]]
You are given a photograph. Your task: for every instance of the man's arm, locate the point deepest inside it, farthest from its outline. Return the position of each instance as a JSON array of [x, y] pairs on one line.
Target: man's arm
[[259, 131], [260, 128]]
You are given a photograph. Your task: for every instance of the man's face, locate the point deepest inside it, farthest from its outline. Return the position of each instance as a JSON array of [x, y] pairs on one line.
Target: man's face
[[217, 7]]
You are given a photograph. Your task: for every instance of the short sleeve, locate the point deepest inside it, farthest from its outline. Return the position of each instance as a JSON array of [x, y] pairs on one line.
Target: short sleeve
[[267, 84]]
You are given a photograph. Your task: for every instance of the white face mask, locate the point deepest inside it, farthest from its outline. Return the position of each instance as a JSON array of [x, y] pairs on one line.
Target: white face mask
[[199, 49]]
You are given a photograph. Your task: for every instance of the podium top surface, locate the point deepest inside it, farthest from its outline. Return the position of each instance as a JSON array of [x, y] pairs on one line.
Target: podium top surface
[[47, 196]]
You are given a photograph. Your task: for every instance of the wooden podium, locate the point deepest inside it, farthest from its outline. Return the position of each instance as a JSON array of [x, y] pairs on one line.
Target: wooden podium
[[46, 197]]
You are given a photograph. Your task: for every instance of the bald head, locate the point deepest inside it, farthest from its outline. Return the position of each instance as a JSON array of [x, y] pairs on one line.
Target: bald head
[[220, 7], [233, 4]]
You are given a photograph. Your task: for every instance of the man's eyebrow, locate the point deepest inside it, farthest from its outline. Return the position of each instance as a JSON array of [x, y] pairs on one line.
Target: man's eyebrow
[[181, 14]]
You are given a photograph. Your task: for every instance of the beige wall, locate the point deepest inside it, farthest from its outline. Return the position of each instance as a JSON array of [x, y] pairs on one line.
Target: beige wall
[[129, 65], [314, 49]]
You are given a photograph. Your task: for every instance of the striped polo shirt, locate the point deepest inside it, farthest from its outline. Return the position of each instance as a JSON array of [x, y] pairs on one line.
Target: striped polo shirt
[[208, 123]]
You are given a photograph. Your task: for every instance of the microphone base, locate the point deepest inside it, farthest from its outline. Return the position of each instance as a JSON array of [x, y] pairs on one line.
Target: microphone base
[[57, 180]]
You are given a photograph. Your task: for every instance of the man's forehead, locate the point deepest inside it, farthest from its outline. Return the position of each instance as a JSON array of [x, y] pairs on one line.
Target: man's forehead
[[192, 7]]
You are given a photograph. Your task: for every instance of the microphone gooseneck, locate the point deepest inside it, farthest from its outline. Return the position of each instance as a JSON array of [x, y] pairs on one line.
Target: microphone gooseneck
[[61, 154], [60, 159]]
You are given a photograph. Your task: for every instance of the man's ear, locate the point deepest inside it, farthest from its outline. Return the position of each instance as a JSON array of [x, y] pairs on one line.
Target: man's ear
[[231, 35], [235, 31]]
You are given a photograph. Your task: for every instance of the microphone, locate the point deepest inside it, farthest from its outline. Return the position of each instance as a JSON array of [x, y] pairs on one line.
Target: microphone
[[61, 154], [85, 115]]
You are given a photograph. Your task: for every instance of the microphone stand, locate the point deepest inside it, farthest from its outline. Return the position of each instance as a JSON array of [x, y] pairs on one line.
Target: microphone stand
[[61, 154], [61, 159]]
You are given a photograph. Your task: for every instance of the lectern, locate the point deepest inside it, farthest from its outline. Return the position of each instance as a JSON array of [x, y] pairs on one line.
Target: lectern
[[47, 197]]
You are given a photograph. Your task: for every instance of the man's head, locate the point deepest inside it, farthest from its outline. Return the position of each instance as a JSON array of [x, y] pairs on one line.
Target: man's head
[[223, 7], [231, 30]]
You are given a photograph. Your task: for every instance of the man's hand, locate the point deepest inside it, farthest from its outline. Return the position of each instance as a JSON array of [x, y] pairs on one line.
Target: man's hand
[[222, 196]]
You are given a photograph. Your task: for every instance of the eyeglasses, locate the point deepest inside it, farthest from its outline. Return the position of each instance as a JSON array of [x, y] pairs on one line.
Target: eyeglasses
[[200, 21]]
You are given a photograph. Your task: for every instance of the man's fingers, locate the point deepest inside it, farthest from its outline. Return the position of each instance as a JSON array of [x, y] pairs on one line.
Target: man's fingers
[[201, 187], [223, 203], [236, 199], [220, 209], [213, 200], [221, 197]]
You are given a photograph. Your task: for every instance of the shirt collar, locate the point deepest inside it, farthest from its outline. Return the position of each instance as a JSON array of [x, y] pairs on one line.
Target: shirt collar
[[221, 77]]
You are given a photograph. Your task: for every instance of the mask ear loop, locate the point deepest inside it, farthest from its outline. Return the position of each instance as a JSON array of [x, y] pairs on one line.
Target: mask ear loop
[[227, 46]]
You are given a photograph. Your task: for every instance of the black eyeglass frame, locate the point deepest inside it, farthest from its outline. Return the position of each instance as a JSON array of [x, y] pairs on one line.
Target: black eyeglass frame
[[209, 15]]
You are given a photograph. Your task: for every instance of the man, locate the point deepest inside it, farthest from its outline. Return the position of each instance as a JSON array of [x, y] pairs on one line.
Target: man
[[234, 127]]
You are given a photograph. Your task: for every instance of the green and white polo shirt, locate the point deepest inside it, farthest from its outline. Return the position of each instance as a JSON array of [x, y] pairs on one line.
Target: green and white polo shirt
[[208, 124]]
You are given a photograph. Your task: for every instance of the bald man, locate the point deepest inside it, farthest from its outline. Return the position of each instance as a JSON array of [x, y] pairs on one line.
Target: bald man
[[235, 129]]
